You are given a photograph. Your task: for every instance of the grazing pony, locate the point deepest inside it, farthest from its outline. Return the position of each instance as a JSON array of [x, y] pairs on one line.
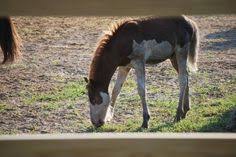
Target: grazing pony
[[132, 44], [9, 40]]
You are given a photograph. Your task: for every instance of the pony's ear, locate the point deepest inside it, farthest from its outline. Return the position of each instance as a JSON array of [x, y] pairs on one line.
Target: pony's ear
[[86, 79]]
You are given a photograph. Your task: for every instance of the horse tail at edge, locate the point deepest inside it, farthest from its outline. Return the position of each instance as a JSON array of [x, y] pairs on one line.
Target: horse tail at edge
[[9, 40], [194, 48]]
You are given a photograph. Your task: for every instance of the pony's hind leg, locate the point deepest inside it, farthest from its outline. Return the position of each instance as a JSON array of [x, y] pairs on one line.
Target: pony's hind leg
[[139, 67], [121, 77], [183, 106]]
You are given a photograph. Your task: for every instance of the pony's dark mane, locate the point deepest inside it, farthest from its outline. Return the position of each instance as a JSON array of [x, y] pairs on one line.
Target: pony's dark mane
[[101, 73], [110, 34]]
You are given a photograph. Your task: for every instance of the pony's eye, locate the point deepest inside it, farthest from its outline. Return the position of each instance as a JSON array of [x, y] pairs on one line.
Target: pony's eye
[[98, 100]]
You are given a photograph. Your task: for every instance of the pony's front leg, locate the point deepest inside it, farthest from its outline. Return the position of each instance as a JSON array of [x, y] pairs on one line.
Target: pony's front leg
[[121, 77], [140, 74]]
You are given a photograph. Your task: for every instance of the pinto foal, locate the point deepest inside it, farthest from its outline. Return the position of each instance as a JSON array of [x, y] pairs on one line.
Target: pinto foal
[[132, 44]]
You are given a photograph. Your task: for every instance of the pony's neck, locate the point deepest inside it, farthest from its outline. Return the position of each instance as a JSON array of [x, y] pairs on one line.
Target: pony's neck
[[102, 69]]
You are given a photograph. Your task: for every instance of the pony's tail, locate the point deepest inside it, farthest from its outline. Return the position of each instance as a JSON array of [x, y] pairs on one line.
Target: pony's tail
[[9, 40], [194, 47]]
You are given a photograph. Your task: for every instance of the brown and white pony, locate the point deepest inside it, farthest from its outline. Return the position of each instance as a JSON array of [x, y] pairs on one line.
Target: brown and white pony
[[132, 44], [9, 40]]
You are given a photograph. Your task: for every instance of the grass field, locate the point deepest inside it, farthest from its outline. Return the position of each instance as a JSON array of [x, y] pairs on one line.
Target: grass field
[[45, 92]]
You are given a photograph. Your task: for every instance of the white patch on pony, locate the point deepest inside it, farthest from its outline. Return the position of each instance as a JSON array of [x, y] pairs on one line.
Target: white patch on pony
[[151, 50], [105, 98], [110, 113], [98, 112]]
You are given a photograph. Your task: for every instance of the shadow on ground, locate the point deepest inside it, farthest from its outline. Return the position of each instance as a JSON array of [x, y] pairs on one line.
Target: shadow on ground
[[224, 123], [222, 40]]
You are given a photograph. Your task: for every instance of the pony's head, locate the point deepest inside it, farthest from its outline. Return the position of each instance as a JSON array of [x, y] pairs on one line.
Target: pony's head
[[99, 100]]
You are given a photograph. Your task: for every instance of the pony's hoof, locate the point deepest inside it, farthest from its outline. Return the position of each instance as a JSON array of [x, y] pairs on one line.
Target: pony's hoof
[[179, 117], [180, 114], [144, 125]]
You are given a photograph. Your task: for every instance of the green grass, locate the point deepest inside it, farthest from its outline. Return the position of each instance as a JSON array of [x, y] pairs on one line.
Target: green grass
[[6, 107], [211, 117], [211, 108], [50, 106], [129, 85], [2, 107], [71, 91]]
